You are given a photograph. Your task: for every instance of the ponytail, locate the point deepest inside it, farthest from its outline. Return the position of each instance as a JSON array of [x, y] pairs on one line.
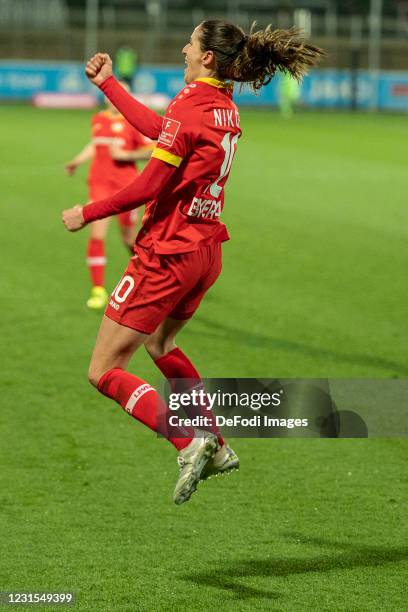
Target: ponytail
[[254, 59]]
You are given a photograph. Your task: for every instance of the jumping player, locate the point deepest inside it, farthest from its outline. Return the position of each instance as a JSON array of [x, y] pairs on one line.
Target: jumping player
[[178, 250], [114, 149]]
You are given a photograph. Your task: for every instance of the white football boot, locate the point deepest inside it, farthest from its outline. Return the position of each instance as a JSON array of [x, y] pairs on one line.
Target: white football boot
[[192, 460], [225, 460]]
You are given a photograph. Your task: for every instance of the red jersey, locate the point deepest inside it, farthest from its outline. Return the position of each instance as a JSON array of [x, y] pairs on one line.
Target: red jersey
[[112, 129], [199, 136]]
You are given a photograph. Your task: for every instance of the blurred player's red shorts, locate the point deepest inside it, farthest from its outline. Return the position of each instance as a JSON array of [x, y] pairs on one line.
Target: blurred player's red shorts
[[100, 191], [154, 287]]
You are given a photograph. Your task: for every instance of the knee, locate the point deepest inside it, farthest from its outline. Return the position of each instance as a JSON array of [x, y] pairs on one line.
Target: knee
[[157, 347], [97, 233]]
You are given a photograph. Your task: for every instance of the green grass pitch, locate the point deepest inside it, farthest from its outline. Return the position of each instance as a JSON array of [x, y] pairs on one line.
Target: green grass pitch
[[314, 284]]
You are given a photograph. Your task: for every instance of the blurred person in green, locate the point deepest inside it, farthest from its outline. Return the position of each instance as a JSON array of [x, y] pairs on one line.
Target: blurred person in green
[[126, 63], [289, 94]]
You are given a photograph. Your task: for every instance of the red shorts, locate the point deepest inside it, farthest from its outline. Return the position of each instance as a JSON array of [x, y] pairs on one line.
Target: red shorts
[[100, 191], [155, 287]]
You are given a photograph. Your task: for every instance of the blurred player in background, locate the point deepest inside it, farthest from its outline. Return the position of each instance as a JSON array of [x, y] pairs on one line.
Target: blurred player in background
[[114, 149], [289, 94], [126, 64], [178, 250]]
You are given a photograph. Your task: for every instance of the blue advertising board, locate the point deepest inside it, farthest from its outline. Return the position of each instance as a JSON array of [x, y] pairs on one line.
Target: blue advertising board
[[21, 80], [393, 91], [322, 89]]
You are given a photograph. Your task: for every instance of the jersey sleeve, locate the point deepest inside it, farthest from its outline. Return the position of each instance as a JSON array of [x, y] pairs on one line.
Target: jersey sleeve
[[179, 132], [140, 116], [149, 185]]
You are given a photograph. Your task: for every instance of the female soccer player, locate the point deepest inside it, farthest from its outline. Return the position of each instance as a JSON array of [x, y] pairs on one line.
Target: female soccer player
[[114, 149], [178, 250]]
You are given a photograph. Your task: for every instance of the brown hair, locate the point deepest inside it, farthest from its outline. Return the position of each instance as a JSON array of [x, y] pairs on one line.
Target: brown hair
[[254, 59]]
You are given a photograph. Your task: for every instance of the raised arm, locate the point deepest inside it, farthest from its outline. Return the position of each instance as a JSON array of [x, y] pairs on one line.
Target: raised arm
[[140, 116], [99, 71], [147, 186]]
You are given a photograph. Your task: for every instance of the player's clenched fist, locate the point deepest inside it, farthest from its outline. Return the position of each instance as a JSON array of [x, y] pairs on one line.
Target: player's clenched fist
[[73, 218], [99, 68]]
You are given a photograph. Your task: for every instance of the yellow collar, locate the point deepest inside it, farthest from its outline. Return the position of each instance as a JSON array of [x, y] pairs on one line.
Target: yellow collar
[[108, 113], [213, 82]]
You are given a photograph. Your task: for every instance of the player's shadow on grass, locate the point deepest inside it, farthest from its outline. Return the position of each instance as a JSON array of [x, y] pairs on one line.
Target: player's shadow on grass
[[258, 340], [340, 556]]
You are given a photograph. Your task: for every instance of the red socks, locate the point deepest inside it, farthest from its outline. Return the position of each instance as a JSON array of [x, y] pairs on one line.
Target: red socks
[[143, 402], [176, 364], [96, 260]]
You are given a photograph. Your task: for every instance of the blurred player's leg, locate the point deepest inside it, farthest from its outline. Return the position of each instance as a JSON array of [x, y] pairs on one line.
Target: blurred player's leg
[[127, 226], [289, 94], [96, 261], [286, 107]]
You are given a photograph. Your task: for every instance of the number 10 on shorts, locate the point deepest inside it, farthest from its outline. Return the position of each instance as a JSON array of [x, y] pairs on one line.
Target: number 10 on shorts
[[122, 290]]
